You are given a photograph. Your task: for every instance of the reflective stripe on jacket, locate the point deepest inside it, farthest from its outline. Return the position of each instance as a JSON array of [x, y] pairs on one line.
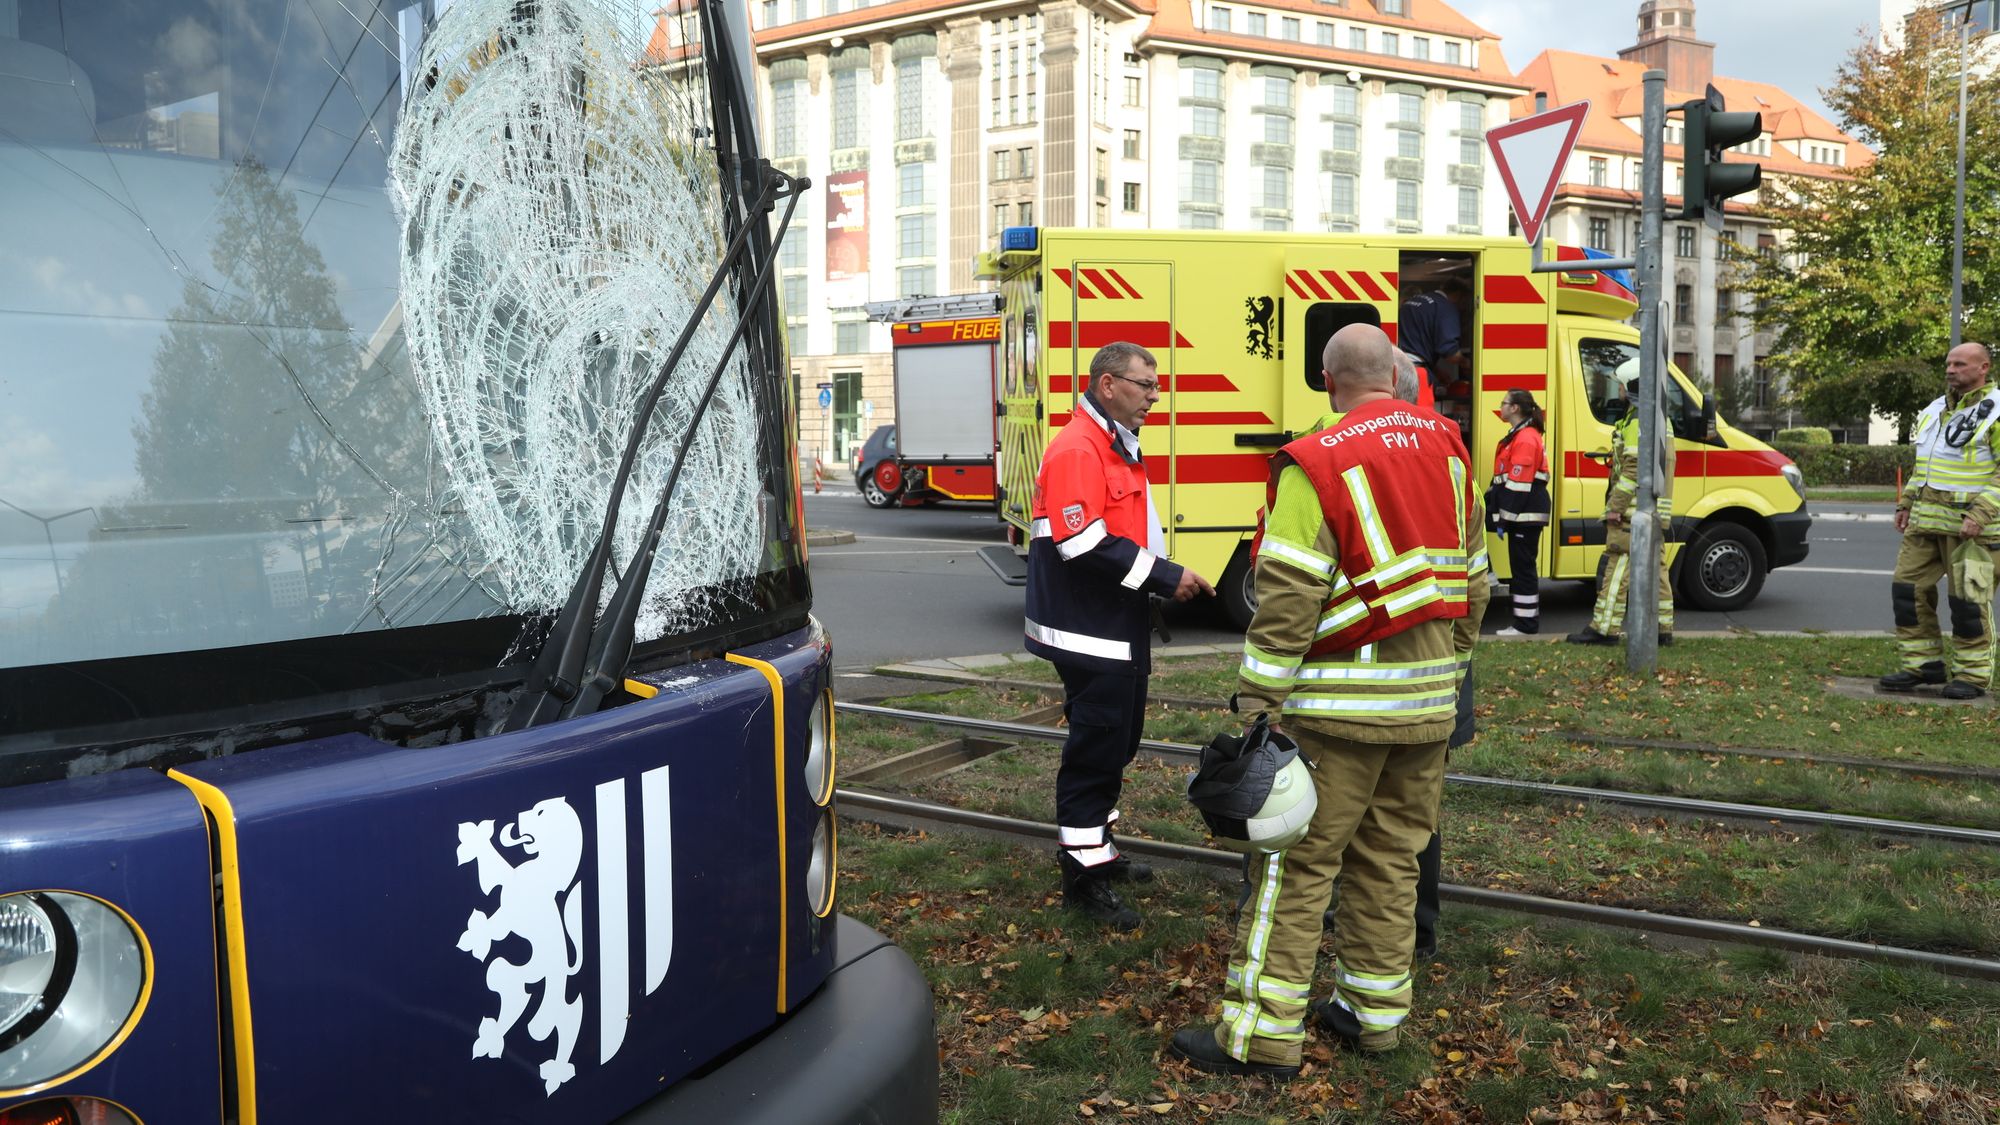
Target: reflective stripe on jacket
[[1958, 460], [1520, 477]]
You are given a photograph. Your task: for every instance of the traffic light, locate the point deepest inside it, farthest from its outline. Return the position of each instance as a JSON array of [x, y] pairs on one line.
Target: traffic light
[[1706, 181]]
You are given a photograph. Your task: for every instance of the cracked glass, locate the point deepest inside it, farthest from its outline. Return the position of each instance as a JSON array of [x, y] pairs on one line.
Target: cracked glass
[[322, 326]]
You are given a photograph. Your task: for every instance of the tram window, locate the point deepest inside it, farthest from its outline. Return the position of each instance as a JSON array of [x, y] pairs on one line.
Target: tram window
[[1322, 321]]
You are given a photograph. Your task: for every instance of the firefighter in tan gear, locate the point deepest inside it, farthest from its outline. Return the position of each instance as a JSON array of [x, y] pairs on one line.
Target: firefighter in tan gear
[[1361, 579], [1621, 495], [1949, 515]]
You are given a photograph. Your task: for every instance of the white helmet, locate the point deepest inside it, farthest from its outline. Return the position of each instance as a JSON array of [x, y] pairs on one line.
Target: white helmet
[[1254, 790], [1628, 372]]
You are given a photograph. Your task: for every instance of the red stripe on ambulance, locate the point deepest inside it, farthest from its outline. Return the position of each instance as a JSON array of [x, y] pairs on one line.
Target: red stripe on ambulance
[[1512, 289], [1097, 333], [1534, 336]]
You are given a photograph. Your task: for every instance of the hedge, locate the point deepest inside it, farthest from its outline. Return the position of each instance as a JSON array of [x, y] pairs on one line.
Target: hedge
[[1849, 464], [1807, 435]]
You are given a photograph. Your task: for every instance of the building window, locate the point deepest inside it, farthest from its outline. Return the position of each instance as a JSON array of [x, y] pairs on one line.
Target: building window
[[1278, 92], [1024, 163], [1472, 117], [1346, 100], [1200, 180], [1468, 207], [1394, 7], [916, 236], [850, 337], [1392, 44], [910, 185], [1725, 305], [795, 300], [910, 100], [1345, 137], [1131, 150], [846, 108], [1024, 213], [1198, 220], [1103, 169], [1201, 82], [1132, 87], [785, 116], [1258, 24], [798, 11], [1131, 200], [1600, 233], [916, 281], [1409, 144], [1288, 28], [1409, 109], [1600, 171], [1003, 164], [1683, 304], [1000, 213], [1324, 32], [1407, 196], [1420, 47], [1340, 197], [1201, 121], [770, 11], [1277, 188], [1218, 18], [1471, 150], [1357, 39], [1684, 242], [1454, 54], [1277, 129]]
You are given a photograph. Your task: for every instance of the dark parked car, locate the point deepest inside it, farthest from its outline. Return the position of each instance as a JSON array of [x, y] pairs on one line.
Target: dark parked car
[[876, 473]]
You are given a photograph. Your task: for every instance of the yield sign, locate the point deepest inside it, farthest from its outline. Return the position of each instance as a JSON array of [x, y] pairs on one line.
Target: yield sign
[[1530, 154]]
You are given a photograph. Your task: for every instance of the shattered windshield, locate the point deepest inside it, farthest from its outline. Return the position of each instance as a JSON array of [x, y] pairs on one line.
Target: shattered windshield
[[323, 321]]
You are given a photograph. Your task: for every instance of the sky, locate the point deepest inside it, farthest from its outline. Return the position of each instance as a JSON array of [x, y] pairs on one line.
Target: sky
[[1795, 45]]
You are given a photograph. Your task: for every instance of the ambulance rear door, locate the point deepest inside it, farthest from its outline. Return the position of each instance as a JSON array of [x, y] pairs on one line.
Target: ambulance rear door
[[1328, 286], [1093, 299]]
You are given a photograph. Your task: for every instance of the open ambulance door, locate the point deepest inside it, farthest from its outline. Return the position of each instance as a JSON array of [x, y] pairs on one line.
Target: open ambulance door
[[1326, 289], [1094, 302]]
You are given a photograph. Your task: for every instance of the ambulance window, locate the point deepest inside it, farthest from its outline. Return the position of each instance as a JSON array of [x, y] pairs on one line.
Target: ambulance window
[[1322, 321], [1599, 363]]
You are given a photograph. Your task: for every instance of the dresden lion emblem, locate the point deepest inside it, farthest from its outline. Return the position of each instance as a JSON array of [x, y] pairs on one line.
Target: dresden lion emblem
[[1259, 312], [551, 836]]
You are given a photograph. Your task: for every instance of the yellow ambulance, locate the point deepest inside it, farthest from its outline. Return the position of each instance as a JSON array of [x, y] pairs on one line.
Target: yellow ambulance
[[1238, 320]]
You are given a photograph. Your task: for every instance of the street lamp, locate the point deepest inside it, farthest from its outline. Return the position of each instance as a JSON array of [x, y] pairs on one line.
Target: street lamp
[[48, 534]]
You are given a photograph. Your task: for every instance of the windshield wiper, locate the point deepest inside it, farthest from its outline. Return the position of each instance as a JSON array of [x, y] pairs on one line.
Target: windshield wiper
[[583, 659]]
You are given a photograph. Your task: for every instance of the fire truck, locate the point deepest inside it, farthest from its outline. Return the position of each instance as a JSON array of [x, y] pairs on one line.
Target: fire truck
[[947, 379], [1238, 321]]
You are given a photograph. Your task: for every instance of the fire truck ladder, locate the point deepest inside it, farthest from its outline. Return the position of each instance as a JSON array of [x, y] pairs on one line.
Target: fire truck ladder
[[956, 307]]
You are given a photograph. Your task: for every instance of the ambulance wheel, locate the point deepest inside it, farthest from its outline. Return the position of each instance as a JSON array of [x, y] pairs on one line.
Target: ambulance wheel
[[1238, 590], [1722, 567]]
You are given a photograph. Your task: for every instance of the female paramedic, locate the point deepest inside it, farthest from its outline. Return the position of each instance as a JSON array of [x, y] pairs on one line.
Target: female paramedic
[[1517, 503]]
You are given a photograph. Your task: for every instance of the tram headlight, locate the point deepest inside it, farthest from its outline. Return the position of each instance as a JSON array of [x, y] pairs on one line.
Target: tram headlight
[[820, 867], [820, 750], [72, 976]]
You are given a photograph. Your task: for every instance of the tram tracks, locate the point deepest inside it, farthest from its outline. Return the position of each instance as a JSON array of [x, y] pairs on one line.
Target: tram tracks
[[1548, 791], [914, 814]]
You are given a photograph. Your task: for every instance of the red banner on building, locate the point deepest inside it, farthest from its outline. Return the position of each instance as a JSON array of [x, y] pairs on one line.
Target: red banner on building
[[847, 239]]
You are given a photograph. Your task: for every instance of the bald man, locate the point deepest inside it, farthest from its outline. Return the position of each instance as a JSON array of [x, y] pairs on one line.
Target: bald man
[[1949, 515], [1360, 580]]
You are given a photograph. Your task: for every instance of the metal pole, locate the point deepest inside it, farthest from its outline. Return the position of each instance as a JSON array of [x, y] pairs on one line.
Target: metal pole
[[1958, 213], [1642, 632]]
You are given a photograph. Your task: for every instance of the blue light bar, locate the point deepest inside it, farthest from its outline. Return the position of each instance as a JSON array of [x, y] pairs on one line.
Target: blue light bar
[[1018, 238], [1622, 277]]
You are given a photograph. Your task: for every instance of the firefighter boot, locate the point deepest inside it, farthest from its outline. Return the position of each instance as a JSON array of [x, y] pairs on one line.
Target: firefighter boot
[[1198, 1046], [1331, 1017], [1588, 635], [1087, 890], [1961, 689], [1932, 672], [1125, 870]]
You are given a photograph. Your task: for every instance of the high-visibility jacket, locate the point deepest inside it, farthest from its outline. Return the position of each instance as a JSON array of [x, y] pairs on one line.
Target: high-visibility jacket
[[1362, 578], [1958, 463], [1623, 491], [1097, 550], [1520, 488]]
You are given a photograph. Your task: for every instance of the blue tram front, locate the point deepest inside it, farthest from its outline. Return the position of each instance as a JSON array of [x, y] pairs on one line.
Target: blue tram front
[[410, 706]]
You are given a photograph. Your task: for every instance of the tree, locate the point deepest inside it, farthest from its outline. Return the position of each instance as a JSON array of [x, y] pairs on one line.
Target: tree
[[1860, 295]]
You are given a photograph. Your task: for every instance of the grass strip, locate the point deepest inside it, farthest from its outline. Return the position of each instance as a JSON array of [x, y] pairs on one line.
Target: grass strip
[[1042, 1019]]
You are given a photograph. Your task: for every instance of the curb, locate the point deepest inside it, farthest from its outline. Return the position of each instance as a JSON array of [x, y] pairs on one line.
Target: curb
[[828, 538]]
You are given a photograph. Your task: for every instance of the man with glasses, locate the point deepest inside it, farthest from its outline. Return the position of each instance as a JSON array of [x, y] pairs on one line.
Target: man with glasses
[[1096, 558]]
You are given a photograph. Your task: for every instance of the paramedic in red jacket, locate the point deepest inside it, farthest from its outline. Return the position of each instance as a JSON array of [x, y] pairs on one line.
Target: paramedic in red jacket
[[1097, 555], [1517, 503]]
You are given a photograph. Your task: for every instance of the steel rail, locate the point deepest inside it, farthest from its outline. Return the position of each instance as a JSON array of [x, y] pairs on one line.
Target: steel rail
[[1728, 810], [908, 812]]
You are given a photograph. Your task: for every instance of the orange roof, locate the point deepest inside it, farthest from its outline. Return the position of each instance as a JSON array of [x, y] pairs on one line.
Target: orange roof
[[882, 13], [1174, 23], [1614, 88]]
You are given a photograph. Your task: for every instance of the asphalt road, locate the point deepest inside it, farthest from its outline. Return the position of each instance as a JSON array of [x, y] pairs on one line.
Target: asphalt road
[[911, 586]]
